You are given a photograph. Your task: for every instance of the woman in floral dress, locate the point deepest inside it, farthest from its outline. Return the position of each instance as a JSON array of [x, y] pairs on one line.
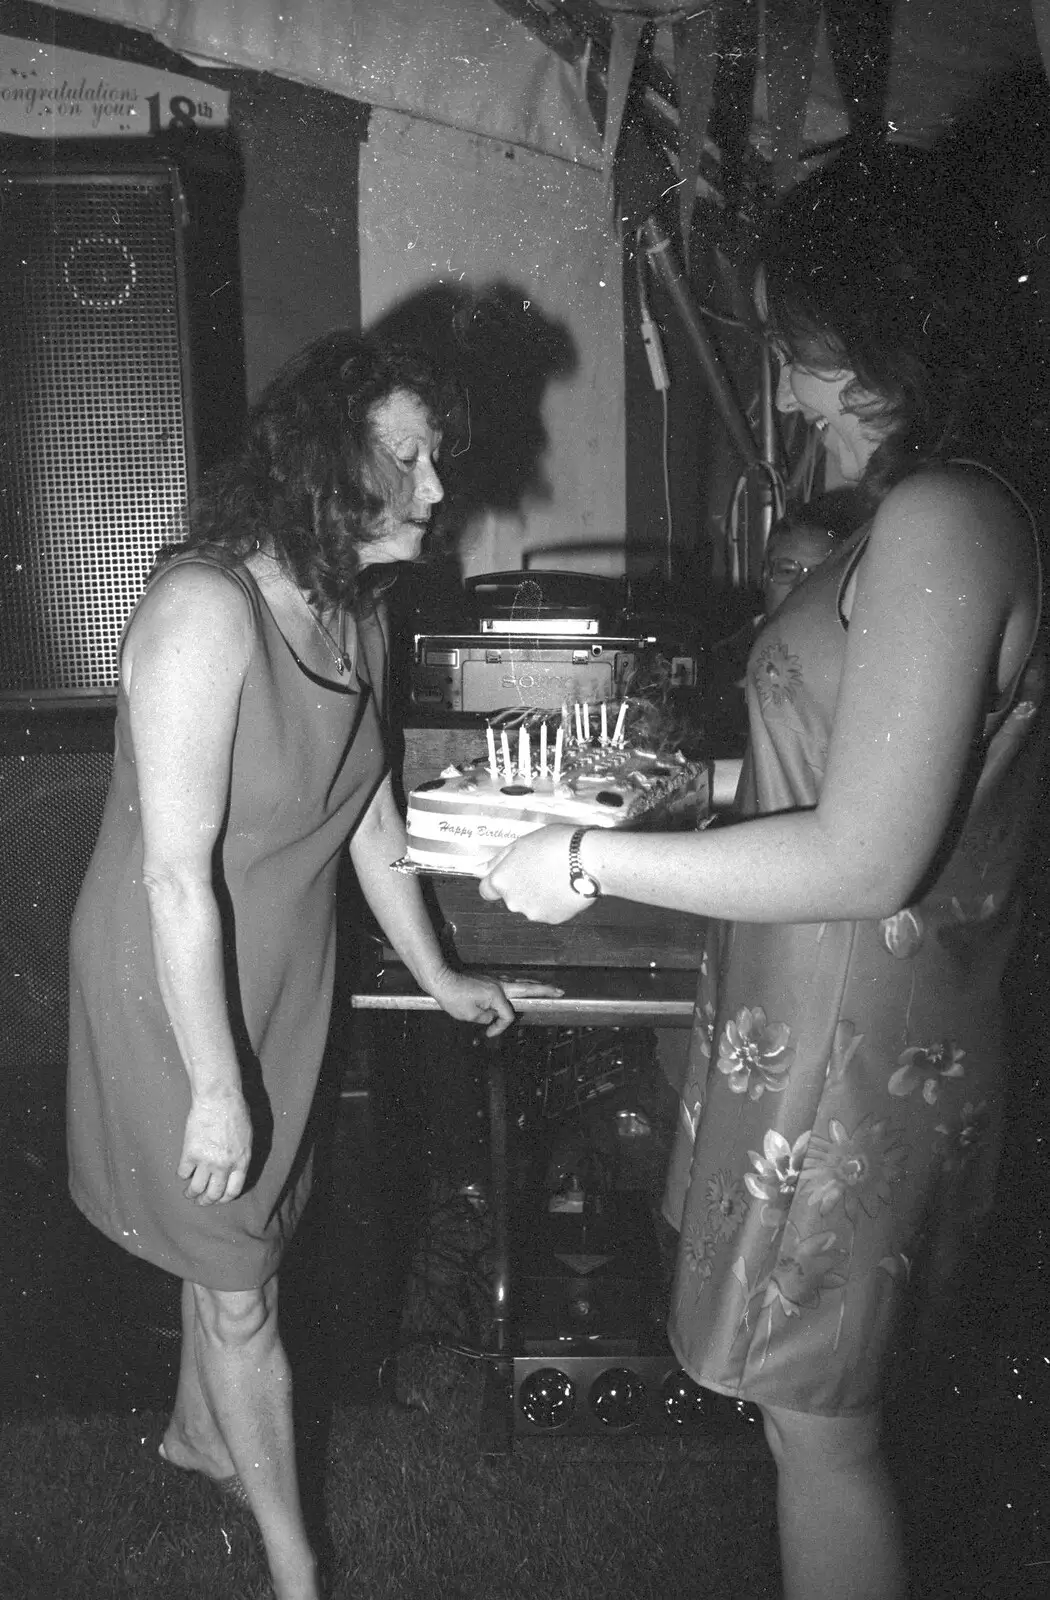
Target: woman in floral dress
[[841, 1117]]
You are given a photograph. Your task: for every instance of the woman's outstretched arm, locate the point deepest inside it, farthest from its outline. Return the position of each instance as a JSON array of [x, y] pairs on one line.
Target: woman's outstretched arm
[[943, 609], [396, 900]]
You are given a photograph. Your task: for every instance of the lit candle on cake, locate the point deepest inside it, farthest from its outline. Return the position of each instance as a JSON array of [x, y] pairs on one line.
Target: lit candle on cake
[[605, 724], [617, 737], [587, 722], [558, 742], [493, 769], [543, 749], [508, 770], [579, 722], [524, 754]]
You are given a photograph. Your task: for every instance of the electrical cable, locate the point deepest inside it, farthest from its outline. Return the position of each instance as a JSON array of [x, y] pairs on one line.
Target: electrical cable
[[661, 379], [665, 452]]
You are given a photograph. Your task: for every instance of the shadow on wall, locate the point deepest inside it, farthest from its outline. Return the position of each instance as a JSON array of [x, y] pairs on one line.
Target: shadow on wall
[[506, 352]]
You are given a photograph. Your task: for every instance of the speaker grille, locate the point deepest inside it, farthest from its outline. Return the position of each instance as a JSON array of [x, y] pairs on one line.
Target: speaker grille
[[50, 811], [93, 448]]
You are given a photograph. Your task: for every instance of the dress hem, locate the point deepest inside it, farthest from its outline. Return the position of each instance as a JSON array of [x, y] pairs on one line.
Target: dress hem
[[104, 1226], [779, 1405]]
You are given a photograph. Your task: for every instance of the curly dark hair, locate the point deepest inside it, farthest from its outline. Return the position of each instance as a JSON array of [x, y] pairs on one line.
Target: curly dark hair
[[303, 480], [880, 264]]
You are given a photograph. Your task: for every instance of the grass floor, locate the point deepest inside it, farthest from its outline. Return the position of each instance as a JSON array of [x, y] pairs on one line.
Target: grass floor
[[413, 1511], [394, 1471]]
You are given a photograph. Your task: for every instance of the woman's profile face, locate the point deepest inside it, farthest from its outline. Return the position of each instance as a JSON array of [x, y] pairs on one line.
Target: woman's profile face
[[816, 391], [850, 440], [404, 471]]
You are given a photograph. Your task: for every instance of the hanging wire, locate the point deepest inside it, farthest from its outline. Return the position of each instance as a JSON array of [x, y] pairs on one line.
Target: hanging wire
[[738, 527], [665, 451], [646, 316]]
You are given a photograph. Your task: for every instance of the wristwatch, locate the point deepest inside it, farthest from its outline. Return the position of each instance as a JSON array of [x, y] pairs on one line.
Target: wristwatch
[[581, 882]]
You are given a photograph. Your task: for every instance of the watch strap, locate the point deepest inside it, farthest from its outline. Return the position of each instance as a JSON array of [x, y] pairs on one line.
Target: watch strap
[[580, 881]]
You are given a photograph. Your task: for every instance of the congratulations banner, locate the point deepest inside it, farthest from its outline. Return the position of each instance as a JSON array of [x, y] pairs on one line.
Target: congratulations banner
[[48, 92]]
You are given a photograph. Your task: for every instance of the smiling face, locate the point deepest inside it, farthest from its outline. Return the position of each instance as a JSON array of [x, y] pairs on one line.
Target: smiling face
[[404, 455], [816, 390], [850, 439]]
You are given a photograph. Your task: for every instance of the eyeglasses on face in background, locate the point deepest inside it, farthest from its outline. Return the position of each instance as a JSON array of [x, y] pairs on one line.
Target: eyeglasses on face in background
[[783, 570]]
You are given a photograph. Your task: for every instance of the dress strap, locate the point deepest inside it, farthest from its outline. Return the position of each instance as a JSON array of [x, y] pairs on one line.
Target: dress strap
[[852, 563], [1004, 700]]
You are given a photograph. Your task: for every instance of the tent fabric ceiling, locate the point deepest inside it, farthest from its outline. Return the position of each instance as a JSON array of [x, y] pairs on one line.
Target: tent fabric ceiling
[[469, 64], [464, 63]]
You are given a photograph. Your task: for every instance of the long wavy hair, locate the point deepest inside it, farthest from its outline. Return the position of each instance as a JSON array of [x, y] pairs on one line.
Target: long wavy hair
[[879, 264], [305, 481]]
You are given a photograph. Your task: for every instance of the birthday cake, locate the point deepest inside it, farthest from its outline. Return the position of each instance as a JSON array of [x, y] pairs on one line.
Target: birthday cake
[[529, 778]]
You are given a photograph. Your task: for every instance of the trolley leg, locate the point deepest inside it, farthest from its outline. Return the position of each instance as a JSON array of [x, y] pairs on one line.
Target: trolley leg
[[497, 1419]]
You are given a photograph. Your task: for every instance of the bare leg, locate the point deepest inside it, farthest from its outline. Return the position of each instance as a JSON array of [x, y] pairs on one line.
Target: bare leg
[[840, 1526], [192, 1440], [235, 1377]]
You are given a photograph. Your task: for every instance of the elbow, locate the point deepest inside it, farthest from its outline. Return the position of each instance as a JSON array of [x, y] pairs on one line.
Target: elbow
[[884, 892], [879, 907], [171, 890], [869, 883]]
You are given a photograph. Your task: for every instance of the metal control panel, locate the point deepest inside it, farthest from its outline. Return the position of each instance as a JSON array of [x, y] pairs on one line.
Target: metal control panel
[[468, 672]]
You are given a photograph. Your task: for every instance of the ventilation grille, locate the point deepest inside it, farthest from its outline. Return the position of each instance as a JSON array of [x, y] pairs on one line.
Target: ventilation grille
[[93, 451], [50, 811]]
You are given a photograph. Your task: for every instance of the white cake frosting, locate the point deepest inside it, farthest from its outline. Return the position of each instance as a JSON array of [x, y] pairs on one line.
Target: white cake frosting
[[463, 818]]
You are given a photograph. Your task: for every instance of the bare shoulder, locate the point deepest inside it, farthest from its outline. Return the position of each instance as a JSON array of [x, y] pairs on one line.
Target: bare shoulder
[[194, 626], [960, 519], [193, 603]]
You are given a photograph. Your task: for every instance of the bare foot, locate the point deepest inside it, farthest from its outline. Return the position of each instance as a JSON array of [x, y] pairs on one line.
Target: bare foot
[[208, 1456]]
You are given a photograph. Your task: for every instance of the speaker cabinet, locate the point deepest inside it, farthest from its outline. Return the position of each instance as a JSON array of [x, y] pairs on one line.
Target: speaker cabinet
[[54, 773], [96, 437]]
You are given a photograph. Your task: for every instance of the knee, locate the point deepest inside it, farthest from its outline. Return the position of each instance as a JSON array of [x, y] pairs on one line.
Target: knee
[[777, 1434], [824, 1444], [233, 1318]]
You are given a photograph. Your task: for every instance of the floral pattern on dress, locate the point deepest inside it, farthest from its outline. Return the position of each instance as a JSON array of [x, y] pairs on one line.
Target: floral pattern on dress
[[776, 1175], [704, 1024], [754, 1054], [964, 933], [726, 1212], [728, 1204], [903, 933], [697, 1252], [959, 1144], [858, 1168], [978, 909], [929, 1065], [694, 1090], [805, 1267], [777, 675], [844, 1045]]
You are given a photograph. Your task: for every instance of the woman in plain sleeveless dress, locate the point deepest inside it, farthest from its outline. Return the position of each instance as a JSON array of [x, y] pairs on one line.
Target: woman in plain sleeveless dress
[[249, 751], [281, 846], [840, 1120]]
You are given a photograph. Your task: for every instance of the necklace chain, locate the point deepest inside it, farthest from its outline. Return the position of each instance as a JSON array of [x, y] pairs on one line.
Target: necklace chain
[[340, 657]]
